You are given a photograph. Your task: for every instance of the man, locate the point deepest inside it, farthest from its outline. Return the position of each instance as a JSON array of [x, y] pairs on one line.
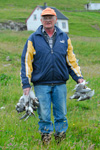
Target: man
[[47, 60]]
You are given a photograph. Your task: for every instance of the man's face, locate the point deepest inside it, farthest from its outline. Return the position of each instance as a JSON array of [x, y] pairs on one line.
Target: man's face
[[48, 21]]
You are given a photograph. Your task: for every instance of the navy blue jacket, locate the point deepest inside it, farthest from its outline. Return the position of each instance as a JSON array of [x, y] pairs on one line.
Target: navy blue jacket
[[42, 65]]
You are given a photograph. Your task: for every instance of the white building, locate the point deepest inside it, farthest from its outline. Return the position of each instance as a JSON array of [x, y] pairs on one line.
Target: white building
[[92, 6], [33, 21]]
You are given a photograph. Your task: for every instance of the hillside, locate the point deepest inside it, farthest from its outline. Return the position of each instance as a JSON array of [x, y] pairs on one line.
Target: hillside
[[81, 22], [62, 5]]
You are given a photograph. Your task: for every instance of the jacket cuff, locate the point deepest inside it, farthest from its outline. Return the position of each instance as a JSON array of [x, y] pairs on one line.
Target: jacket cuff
[[26, 86]]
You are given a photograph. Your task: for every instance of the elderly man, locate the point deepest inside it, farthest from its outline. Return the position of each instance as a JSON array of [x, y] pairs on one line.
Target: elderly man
[[47, 60]]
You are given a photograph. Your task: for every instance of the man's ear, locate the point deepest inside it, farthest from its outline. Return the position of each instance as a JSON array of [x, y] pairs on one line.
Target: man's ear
[[55, 20], [41, 19]]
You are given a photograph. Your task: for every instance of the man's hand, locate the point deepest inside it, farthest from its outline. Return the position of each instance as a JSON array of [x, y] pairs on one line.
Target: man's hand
[[80, 80], [26, 91]]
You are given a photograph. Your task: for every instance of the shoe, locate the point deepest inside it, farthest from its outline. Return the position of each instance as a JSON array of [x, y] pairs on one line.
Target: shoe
[[60, 137], [46, 138]]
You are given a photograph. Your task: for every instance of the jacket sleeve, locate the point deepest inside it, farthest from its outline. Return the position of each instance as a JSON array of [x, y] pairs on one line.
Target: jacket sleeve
[[26, 64], [72, 64]]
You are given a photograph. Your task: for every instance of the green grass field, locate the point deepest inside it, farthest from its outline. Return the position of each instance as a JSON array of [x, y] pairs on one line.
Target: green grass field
[[83, 117]]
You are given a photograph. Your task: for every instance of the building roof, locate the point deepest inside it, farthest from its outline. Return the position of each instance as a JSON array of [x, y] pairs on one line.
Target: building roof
[[59, 14]]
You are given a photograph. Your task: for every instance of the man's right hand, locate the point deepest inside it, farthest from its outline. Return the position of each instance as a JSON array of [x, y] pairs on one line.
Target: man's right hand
[[26, 91]]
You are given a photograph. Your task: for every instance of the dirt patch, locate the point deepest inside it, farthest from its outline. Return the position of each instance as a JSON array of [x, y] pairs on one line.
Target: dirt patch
[[96, 27]]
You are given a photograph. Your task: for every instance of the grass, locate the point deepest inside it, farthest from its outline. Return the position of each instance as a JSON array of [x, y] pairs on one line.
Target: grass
[[84, 23], [83, 117]]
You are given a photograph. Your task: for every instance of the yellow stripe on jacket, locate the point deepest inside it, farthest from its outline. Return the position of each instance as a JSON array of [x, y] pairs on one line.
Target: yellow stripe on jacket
[[71, 59], [29, 59]]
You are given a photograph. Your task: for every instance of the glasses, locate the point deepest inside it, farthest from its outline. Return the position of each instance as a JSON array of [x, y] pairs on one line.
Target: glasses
[[48, 18]]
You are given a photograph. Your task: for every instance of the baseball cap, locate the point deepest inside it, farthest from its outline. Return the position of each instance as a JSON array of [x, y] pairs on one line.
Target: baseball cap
[[48, 11]]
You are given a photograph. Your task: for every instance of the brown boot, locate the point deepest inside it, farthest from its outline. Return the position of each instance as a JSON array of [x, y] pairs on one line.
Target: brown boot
[[46, 138], [60, 137]]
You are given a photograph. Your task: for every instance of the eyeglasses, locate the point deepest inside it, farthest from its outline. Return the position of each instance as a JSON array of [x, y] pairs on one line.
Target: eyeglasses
[[48, 18]]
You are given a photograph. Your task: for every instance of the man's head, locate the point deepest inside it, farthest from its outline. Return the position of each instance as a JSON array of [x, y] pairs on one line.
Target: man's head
[[48, 18]]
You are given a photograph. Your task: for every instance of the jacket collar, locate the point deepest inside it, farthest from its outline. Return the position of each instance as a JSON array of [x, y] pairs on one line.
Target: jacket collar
[[39, 30]]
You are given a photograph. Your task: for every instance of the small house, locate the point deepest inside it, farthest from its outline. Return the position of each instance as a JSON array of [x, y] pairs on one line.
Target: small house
[[92, 6], [33, 21]]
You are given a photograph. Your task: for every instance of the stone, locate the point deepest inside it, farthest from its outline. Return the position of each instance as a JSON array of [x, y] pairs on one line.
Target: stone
[[11, 25], [8, 58]]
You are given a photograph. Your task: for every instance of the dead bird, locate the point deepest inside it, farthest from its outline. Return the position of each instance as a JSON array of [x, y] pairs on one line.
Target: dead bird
[[82, 92], [28, 103]]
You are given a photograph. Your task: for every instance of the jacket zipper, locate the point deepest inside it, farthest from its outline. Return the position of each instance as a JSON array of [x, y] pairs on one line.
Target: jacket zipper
[[52, 64], [51, 51]]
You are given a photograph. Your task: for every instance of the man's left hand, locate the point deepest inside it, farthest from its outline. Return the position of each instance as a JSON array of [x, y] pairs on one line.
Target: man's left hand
[[80, 80], [26, 91]]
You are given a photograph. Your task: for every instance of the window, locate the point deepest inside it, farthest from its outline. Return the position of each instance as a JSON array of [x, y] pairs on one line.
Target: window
[[63, 25], [34, 17]]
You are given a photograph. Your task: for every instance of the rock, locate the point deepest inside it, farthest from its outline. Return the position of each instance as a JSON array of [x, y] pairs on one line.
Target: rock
[[2, 108], [8, 58], [11, 25], [6, 65]]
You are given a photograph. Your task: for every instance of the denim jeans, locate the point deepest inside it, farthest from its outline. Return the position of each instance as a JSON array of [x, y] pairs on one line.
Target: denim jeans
[[56, 95]]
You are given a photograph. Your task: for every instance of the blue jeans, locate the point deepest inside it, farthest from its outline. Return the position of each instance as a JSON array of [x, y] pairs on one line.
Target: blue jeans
[[56, 95]]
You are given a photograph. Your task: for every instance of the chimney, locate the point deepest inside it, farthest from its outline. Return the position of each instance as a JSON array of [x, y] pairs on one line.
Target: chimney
[[45, 5]]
